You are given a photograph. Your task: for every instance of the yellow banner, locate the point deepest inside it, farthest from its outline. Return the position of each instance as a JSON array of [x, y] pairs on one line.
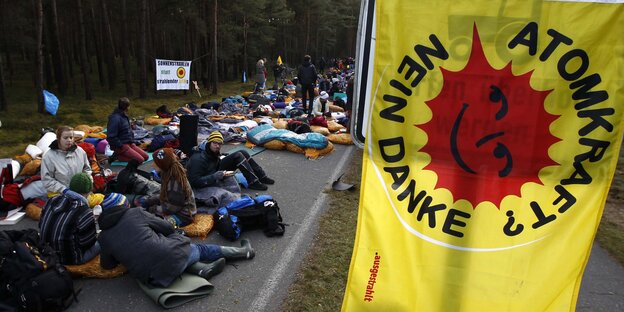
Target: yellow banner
[[495, 129]]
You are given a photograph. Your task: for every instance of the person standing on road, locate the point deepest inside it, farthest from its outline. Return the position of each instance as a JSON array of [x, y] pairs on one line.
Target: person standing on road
[[260, 75], [207, 168], [120, 136], [307, 76], [278, 72], [349, 104], [62, 161], [151, 248]]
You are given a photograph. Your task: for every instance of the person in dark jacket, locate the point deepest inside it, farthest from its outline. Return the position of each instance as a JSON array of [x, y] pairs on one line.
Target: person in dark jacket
[[120, 136], [207, 168], [152, 250], [307, 76], [349, 104], [67, 223]]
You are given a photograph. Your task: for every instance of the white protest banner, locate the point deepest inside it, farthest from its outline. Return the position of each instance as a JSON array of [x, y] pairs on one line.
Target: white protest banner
[[172, 75]]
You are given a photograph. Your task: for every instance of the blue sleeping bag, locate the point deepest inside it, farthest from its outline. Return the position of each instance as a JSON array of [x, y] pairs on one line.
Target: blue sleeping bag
[[265, 133]]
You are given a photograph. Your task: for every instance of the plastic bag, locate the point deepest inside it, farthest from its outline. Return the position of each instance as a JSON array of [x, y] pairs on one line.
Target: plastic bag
[[51, 102]]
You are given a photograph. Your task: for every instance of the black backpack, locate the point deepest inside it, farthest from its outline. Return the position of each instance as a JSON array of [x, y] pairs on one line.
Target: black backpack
[[259, 213], [132, 180], [31, 276]]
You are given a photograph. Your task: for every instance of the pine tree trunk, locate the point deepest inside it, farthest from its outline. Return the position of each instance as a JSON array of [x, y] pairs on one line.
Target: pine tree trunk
[[149, 28], [3, 100], [142, 50], [55, 50], [306, 45], [109, 50], [84, 62], [39, 55], [215, 61], [9, 65], [125, 55], [47, 62], [97, 40], [245, 56]]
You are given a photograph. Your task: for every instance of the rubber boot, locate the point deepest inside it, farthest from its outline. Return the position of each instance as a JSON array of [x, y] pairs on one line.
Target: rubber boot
[[236, 253], [206, 270]]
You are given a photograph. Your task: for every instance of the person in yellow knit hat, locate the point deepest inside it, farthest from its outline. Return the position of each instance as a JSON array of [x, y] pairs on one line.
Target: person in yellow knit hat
[[207, 168]]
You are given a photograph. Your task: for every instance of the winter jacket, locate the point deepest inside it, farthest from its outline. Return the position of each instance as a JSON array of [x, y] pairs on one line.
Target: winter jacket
[[145, 244], [58, 167], [178, 204], [349, 92], [68, 225], [118, 129], [324, 85], [307, 74], [260, 73], [317, 107], [203, 169]]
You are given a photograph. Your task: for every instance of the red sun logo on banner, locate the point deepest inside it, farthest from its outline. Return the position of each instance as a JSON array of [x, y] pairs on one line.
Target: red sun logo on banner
[[181, 72], [489, 133]]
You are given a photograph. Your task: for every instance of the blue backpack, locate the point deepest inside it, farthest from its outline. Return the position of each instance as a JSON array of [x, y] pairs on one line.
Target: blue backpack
[[246, 213]]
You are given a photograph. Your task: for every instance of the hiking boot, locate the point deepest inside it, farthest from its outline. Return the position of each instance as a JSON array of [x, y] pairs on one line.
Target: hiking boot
[[258, 186], [267, 180], [206, 270], [236, 253]]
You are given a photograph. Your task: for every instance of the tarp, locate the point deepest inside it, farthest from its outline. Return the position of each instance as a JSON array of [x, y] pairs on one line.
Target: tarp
[[494, 132]]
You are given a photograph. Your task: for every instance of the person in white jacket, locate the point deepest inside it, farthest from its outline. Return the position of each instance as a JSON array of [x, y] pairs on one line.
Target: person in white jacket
[[321, 105], [62, 162]]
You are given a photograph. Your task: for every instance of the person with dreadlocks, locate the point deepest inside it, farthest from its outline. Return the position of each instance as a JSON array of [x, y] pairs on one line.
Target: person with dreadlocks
[[176, 201]]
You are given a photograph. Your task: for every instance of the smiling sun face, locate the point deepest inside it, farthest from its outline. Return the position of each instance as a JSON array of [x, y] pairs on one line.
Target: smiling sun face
[[489, 133]]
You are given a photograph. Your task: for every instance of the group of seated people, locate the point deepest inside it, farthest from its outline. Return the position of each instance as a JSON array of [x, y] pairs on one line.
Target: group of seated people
[[145, 239]]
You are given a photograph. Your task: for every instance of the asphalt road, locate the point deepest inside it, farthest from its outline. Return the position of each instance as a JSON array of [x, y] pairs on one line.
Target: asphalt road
[[261, 284]]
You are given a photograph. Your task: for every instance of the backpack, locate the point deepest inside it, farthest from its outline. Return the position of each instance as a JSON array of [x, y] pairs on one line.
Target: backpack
[[31, 275], [261, 212], [298, 127], [226, 224], [134, 183], [159, 141]]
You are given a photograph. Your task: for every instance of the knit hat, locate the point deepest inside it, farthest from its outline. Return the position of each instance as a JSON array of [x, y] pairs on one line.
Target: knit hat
[[113, 200], [81, 183], [215, 136], [164, 158]]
